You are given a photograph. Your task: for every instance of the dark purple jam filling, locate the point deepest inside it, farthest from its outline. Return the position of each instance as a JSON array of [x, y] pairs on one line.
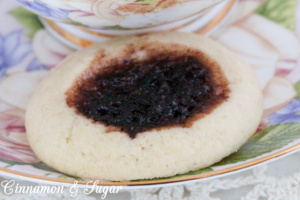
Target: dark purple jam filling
[[138, 96]]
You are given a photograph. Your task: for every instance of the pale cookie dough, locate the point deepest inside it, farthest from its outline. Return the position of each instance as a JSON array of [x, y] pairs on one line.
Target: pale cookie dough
[[73, 144]]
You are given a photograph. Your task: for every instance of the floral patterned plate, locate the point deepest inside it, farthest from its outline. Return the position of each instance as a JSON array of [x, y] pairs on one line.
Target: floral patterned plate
[[264, 33]]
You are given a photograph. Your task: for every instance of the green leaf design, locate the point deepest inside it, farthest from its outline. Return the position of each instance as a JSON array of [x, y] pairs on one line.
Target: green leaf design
[[8, 166], [73, 177], [29, 20], [201, 171], [280, 11], [47, 174], [270, 139], [297, 88], [12, 162], [116, 27], [72, 22], [77, 178], [63, 176], [43, 166]]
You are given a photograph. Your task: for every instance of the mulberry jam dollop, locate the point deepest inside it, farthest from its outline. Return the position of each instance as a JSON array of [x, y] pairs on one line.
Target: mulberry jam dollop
[[166, 89]]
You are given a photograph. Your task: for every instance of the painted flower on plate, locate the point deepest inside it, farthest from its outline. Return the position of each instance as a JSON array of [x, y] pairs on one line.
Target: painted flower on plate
[[288, 114], [12, 50], [271, 49], [48, 51], [17, 88], [13, 143], [40, 8]]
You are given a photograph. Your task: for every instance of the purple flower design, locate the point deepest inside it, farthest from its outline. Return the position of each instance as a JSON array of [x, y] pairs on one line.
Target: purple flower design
[[35, 65], [12, 50], [41, 9], [288, 114]]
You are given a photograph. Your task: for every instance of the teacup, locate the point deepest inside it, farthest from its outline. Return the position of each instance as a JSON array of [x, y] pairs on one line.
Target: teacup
[[117, 14], [80, 23]]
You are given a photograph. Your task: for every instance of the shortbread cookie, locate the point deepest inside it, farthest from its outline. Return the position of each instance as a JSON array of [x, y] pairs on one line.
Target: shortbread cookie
[[143, 107]]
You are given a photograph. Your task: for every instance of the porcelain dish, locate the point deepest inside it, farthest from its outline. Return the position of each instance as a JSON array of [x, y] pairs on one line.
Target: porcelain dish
[[266, 34]]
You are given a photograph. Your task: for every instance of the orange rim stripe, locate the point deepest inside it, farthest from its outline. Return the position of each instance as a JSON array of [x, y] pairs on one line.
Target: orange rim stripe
[[217, 19]]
